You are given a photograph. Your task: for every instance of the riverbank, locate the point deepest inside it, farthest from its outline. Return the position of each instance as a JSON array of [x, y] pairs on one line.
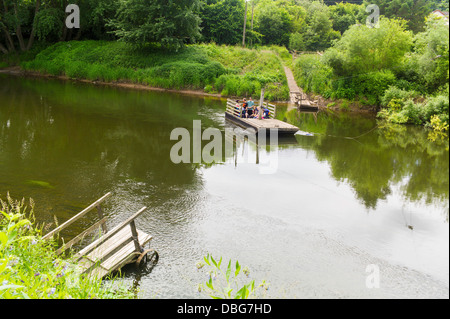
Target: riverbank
[[18, 71], [225, 71], [324, 104], [202, 70]]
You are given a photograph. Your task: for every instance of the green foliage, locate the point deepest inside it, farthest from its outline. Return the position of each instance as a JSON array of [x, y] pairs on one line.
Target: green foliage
[[49, 23], [313, 75], [30, 268], [227, 283], [413, 11], [318, 31], [402, 107], [222, 21], [344, 15], [363, 49], [274, 24], [229, 70], [170, 23], [430, 61]]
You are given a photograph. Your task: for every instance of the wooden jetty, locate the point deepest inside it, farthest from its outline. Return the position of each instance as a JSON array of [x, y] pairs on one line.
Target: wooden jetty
[[113, 249], [233, 114], [298, 97]]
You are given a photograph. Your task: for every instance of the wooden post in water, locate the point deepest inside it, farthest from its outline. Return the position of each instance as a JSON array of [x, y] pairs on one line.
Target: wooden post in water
[[261, 103], [100, 215]]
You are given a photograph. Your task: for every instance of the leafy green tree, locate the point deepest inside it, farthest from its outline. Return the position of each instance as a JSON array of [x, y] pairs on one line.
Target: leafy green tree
[[344, 15], [363, 49], [17, 24], [274, 23], [413, 11], [318, 33], [222, 21], [23, 22], [430, 59], [168, 22]]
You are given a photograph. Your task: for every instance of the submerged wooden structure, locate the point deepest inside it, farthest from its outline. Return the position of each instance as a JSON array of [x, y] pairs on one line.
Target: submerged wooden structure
[[233, 114], [303, 103], [113, 249]]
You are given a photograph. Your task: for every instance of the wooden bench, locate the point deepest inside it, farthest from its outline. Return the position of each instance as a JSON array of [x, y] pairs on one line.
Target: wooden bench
[[113, 249]]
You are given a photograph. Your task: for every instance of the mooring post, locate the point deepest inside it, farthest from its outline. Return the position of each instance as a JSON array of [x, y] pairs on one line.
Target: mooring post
[[261, 103]]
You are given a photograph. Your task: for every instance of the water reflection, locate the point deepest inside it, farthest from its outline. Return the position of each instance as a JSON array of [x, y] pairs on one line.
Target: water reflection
[[372, 156]]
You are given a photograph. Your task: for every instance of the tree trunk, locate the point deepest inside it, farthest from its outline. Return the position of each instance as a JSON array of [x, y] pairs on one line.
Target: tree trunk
[[33, 30], [10, 42], [3, 49], [78, 35], [64, 28], [19, 29]]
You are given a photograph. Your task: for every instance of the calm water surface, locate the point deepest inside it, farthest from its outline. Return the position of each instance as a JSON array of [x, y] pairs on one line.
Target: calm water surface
[[356, 193]]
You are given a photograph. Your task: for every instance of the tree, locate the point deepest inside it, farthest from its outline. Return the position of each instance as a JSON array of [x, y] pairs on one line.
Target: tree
[[344, 15], [431, 54], [274, 23], [413, 11], [363, 49], [23, 22], [319, 33], [222, 21], [168, 22], [17, 21]]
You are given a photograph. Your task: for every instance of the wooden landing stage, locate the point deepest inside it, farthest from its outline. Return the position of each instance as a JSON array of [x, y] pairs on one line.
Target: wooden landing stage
[[113, 249], [232, 114], [298, 97]]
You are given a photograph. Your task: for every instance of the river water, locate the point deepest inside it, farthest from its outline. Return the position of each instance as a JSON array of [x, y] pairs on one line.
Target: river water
[[356, 193]]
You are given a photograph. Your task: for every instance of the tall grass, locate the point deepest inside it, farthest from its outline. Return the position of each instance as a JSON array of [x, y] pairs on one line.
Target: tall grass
[[231, 71]]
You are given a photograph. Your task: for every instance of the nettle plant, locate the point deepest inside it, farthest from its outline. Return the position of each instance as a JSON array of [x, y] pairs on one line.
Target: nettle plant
[[229, 283]]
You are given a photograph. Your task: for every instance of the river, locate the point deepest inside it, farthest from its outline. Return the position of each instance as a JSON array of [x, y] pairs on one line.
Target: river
[[355, 193]]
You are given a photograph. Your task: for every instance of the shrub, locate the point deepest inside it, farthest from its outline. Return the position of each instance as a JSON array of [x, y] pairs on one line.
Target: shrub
[[397, 94], [373, 84], [437, 105]]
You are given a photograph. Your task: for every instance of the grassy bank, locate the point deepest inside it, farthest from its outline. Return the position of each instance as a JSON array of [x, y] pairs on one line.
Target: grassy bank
[[404, 75], [30, 268], [396, 100], [227, 70]]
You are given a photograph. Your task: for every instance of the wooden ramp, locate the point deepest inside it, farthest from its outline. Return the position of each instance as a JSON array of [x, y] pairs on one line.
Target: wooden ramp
[[233, 114], [113, 249], [298, 97]]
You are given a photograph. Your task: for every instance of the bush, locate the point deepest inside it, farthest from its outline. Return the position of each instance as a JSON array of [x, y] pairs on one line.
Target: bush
[[313, 75], [373, 84], [437, 105], [397, 94]]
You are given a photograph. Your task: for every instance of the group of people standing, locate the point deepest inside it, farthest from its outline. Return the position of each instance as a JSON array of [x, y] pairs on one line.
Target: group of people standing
[[250, 110]]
